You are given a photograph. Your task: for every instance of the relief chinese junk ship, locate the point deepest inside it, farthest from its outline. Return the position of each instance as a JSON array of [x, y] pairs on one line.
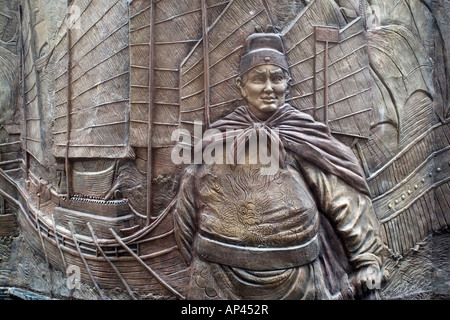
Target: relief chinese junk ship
[[92, 184]]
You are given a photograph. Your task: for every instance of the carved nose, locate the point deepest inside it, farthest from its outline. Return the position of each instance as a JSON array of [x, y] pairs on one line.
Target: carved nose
[[268, 87]]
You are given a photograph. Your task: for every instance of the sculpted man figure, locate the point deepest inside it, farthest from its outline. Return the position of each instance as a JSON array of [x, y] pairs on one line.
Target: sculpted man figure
[[249, 235]]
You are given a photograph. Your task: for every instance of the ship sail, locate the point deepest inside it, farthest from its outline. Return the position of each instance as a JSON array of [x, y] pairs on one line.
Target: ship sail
[[349, 88], [91, 117]]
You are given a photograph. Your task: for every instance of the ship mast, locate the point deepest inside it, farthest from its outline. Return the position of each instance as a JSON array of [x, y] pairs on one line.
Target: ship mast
[[67, 164], [206, 61], [150, 115]]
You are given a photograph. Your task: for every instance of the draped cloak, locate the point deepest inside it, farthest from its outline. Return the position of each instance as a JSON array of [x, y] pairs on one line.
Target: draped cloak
[[300, 134], [323, 176]]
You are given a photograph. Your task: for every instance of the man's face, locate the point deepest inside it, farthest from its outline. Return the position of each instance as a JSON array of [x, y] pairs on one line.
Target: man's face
[[265, 90]]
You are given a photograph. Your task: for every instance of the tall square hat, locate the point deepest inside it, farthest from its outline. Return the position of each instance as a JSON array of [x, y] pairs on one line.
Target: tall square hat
[[263, 48]]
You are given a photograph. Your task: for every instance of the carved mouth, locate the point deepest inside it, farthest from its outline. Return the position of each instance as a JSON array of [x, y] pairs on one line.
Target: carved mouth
[[268, 100]]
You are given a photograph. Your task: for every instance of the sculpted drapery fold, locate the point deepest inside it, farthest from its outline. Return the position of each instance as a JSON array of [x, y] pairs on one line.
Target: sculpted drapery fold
[[208, 206]]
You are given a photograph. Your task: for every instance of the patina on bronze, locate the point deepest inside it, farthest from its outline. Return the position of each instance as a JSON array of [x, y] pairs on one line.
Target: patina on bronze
[[92, 205], [252, 236]]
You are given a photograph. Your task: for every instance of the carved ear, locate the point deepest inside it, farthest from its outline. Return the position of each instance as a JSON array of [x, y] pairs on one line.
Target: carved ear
[[240, 86], [289, 82]]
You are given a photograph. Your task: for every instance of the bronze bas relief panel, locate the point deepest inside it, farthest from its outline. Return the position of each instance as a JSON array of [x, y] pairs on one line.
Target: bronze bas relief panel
[[208, 149]]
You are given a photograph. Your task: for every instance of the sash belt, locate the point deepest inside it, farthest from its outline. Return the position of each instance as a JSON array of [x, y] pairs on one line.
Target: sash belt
[[254, 258]]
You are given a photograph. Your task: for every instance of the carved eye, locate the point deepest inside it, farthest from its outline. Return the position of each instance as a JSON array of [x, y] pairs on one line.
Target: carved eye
[[277, 79], [243, 210], [247, 208], [257, 80]]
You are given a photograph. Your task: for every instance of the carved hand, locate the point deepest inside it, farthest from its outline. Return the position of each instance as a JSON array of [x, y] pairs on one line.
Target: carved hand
[[369, 278]]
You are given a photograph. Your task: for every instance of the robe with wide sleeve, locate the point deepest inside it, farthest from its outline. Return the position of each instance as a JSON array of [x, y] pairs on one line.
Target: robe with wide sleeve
[[246, 235], [252, 237]]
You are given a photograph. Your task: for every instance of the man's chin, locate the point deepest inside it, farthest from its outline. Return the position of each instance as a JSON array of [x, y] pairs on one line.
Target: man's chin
[[269, 108], [265, 110]]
